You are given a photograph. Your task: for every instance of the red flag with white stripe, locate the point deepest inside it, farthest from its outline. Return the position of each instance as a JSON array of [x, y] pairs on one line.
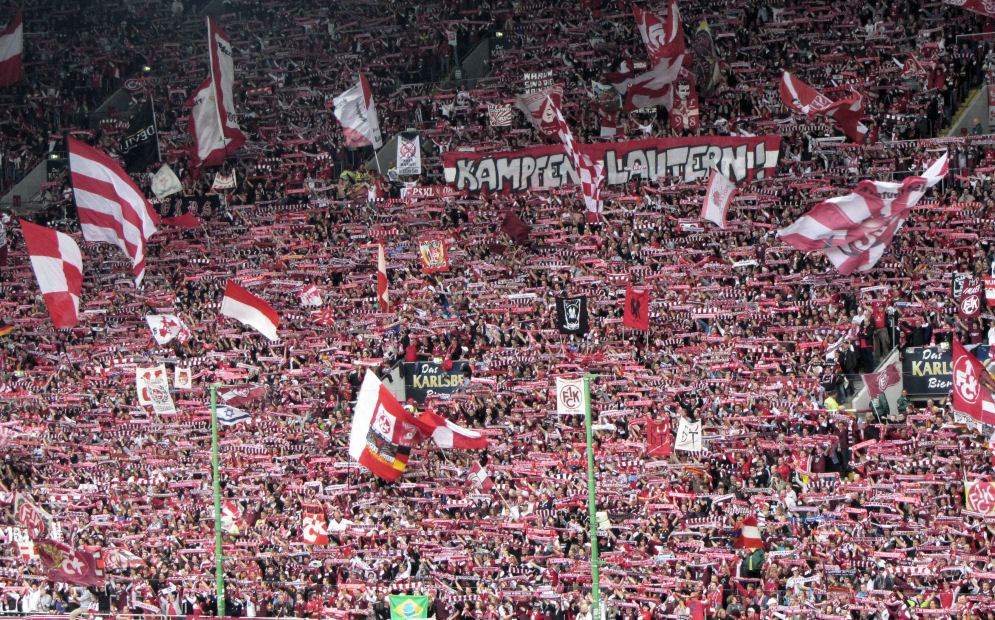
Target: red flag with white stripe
[[664, 39], [383, 303], [448, 434], [854, 230], [748, 536], [250, 310], [111, 208], [718, 197], [846, 112], [972, 393], [12, 52], [58, 267]]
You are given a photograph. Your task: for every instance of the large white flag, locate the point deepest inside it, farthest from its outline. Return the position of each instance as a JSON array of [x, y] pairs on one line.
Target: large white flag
[[717, 198], [570, 396], [153, 389], [165, 182], [408, 155], [688, 436], [166, 327], [358, 114]]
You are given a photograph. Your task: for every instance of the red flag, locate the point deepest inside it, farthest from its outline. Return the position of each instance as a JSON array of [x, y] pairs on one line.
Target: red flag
[[637, 309], [748, 535], [111, 208], [663, 39], [878, 382], [659, 441], [590, 172], [847, 112], [12, 52], [448, 434], [480, 478], [969, 302], [58, 266], [514, 227], [187, 220], [212, 116], [314, 526], [434, 255], [383, 301], [65, 564], [972, 392]]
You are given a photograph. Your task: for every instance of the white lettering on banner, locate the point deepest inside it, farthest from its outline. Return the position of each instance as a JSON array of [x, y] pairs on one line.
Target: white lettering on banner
[[538, 81], [524, 170]]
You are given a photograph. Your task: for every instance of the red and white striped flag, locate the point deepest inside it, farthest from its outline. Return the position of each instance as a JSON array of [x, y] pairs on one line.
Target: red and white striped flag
[[846, 112], [58, 267], [250, 310], [718, 197], [383, 303], [111, 207], [854, 230], [591, 174], [12, 52]]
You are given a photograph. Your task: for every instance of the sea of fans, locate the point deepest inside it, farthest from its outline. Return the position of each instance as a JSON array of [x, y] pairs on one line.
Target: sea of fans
[[862, 514]]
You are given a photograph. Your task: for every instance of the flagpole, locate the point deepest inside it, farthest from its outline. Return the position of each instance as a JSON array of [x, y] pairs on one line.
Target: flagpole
[[219, 575], [158, 147], [591, 507]]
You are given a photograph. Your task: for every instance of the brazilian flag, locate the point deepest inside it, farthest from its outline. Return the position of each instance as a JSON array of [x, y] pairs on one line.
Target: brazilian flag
[[403, 606]]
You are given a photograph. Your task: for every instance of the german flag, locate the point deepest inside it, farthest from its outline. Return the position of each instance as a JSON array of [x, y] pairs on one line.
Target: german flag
[[5, 328]]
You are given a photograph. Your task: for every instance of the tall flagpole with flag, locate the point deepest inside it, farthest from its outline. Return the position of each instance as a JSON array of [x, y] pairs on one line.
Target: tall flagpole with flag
[[591, 505], [382, 299], [219, 560]]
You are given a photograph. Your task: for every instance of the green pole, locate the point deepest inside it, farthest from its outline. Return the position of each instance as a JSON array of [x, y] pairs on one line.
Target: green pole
[[219, 559], [591, 507]]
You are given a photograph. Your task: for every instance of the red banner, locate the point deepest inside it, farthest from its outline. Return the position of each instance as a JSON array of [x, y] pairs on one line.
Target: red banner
[[740, 158]]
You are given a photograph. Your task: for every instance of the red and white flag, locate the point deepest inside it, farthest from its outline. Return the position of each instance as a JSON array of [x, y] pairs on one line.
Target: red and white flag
[[664, 39], [718, 197], [748, 536], [12, 51], [665, 45], [111, 207], [846, 112], [854, 230], [166, 327], [591, 173], [357, 113], [213, 120], [538, 108], [314, 526], [989, 290], [250, 310], [383, 302], [480, 478], [972, 386], [447, 435], [310, 296], [58, 267], [878, 382], [382, 431]]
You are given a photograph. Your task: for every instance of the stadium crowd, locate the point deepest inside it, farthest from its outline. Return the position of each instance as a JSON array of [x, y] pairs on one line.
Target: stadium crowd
[[862, 513]]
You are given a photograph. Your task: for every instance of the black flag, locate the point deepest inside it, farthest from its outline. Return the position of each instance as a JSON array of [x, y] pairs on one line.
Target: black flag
[[571, 315], [140, 146]]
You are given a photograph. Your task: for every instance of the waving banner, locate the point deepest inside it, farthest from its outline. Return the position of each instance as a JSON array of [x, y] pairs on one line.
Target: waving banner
[[738, 158]]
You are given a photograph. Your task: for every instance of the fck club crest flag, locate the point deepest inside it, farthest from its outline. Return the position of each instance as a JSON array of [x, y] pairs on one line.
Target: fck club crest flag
[[571, 315], [434, 255], [382, 431], [570, 399]]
